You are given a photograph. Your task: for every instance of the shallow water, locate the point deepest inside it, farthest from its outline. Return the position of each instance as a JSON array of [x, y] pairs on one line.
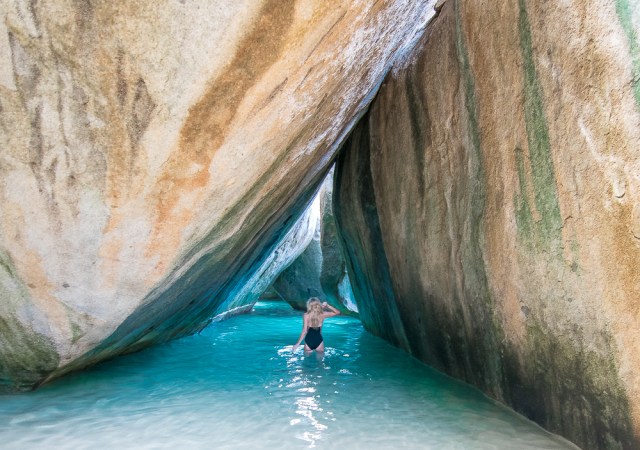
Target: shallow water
[[237, 385]]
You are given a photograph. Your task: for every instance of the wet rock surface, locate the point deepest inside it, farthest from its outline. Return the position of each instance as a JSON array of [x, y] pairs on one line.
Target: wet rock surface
[[156, 153], [487, 205]]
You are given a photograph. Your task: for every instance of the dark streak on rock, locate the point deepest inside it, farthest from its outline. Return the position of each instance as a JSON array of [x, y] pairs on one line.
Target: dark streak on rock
[[26, 72], [33, 10], [5, 124], [420, 123], [28, 78], [271, 96], [360, 234], [84, 14], [60, 108], [121, 82], [547, 232], [35, 140], [140, 115], [315, 47], [306, 75]]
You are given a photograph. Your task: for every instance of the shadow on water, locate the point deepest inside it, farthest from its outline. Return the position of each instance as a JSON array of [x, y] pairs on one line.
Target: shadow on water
[[238, 385]]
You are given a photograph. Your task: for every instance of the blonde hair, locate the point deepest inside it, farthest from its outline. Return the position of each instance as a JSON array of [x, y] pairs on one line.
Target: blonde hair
[[314, 311]]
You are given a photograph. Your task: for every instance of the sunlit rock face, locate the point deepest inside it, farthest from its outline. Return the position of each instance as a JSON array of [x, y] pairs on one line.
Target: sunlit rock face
[[489, 204], [320, 271], [153, 152]]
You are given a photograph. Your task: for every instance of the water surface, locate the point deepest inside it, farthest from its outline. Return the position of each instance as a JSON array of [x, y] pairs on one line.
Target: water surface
[[237, 385]]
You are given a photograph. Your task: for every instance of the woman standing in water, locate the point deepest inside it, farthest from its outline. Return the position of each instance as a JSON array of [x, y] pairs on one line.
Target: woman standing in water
[[312, 325]]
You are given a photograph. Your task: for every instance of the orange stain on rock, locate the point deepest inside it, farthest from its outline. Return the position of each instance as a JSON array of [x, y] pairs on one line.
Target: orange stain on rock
[[206, 126], [41, 288]]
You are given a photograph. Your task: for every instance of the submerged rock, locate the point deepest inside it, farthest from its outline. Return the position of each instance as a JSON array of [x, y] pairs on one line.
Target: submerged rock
[[155, 153], [320, 271], [487, 204]]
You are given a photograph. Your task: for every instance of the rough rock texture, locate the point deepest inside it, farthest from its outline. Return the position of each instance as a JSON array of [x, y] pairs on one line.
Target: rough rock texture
[[270, 294], [295, 241], [359, 229], [155, 152], [489, 203], [320, 271]]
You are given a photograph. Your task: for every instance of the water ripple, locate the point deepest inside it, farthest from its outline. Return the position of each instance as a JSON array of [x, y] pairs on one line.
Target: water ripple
[[238, 385]]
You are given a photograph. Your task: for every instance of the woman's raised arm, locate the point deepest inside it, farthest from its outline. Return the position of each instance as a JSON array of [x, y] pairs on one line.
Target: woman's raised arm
[[332, 311]]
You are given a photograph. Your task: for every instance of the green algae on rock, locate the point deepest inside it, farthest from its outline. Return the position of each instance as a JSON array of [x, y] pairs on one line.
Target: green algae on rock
[[499, 161], [359, 229], [25, 357]]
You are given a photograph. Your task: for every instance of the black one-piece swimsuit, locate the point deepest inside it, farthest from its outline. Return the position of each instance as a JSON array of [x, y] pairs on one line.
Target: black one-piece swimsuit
[[313, 338]]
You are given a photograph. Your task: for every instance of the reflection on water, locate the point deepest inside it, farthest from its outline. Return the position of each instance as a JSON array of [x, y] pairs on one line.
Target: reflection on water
[[308, 400], [237, 385]]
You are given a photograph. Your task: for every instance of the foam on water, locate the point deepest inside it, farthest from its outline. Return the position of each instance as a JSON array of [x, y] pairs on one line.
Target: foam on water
[[237, 385]]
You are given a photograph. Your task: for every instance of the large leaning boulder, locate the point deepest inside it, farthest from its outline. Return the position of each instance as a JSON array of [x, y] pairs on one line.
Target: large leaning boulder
[[154, 153], [490, 205]]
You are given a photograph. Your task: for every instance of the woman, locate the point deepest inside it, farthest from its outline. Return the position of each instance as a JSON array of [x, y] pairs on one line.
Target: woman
[[312, 325]]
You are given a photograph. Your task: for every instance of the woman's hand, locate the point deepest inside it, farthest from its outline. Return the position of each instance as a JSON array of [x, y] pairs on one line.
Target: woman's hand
[[294, 348], [332, 311]]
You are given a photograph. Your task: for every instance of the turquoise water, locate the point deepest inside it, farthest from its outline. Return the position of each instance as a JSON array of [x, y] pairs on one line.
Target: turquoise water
[[237, 385]]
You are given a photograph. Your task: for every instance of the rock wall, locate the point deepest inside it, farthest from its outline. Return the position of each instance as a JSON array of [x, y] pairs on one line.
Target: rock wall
[[155, 152], [320, 270], [289, 249], [359, 228], [490, 205]]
